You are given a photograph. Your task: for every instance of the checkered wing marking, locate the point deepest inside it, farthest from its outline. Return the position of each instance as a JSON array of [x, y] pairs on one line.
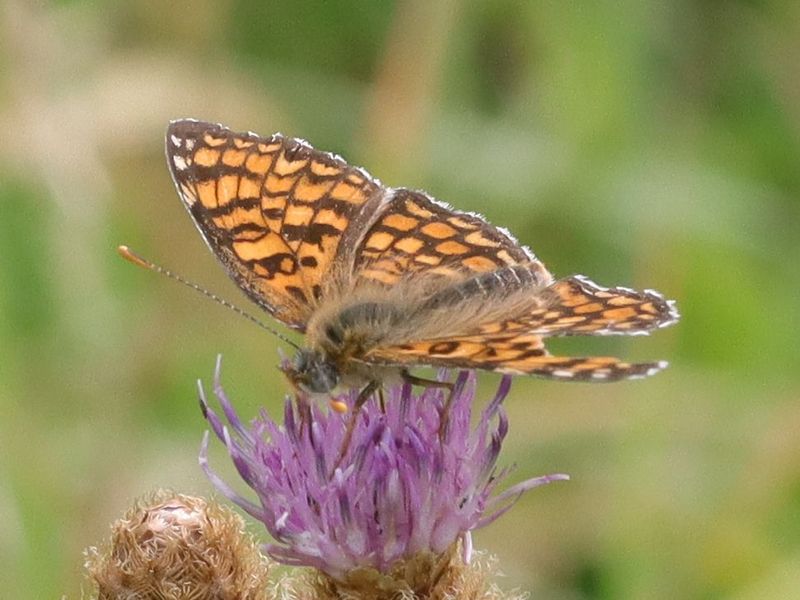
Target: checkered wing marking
[[522, 354], [415, 235], [571, 306], [273, 210], [578, 306]]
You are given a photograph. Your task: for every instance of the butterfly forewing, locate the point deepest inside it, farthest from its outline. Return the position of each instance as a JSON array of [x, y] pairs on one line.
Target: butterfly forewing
[[273, 210], [416, 236]]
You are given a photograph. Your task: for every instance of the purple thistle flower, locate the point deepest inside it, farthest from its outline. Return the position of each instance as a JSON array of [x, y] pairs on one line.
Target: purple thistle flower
[[400, 489]]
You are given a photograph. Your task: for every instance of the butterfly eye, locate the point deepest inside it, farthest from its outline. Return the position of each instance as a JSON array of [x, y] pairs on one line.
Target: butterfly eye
[[334, 334], [322, 376]]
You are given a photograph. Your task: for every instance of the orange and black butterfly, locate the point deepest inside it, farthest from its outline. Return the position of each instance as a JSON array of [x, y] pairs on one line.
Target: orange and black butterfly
[[382, 279]]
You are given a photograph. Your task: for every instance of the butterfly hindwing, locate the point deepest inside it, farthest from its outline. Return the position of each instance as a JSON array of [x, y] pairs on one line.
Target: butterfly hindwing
[[571, 306], [578, 306], [512, 354]]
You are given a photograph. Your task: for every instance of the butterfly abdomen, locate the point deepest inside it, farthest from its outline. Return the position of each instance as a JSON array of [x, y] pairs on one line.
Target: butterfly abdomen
[[494, 285]]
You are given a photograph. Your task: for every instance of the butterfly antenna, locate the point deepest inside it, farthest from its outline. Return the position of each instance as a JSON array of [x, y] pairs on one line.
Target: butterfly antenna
[[139, 261]]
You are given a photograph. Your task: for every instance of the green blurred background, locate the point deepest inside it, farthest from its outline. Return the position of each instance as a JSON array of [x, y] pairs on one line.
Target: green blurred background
[[649, 144]]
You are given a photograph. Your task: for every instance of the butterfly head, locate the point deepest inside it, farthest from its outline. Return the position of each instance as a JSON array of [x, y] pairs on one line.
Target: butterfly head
[[312, 372]]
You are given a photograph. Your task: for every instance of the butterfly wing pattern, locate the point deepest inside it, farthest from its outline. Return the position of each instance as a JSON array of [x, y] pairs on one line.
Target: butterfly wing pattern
[[572, 306], [297, 228], [273, 210], [415, 235]]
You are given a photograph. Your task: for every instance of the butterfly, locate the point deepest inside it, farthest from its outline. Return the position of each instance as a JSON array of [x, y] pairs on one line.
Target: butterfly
[[383, 279]]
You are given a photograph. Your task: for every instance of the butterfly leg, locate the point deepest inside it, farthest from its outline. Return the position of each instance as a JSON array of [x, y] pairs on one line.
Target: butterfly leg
[[421, 381], [362, 398], [303, 411], [381, 399], [444, 416]]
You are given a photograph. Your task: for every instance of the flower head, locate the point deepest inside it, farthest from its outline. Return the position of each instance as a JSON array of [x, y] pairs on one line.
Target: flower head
[[402, 488], [174, 546]]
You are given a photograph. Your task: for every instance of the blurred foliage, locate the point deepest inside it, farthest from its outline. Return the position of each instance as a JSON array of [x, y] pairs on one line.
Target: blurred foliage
[[650, 144]]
